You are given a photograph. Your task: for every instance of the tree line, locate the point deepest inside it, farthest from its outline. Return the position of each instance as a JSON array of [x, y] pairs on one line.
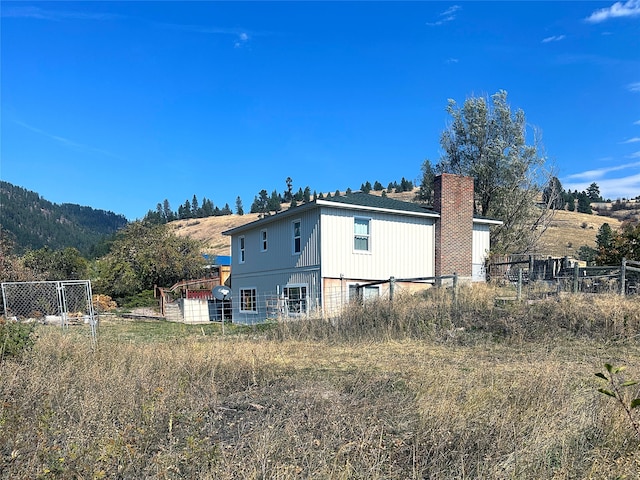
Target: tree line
[[189, 209], [32, 222]]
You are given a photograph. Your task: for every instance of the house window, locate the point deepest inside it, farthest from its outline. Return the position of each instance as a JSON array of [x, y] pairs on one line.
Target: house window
[[241, 249], [296, 236], [248, 300], [263, 240], [361, 234], [364, 292], [296, 299]]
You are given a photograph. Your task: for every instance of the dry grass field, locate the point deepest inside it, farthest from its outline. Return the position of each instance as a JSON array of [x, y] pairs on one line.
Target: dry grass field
[[568, 231], [419, 389]]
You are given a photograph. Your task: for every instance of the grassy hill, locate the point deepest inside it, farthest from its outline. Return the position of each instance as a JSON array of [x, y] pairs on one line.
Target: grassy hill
[[568, 231]]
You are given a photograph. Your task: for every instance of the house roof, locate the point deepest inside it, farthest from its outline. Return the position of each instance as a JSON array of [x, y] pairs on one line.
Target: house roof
[[374, 201], [354, 201]]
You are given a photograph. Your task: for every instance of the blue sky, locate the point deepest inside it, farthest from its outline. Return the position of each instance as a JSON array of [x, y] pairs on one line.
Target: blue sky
[[119, 105]]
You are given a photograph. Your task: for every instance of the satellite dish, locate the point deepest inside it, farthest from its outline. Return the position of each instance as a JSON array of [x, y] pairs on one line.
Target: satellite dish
[[222, 292]]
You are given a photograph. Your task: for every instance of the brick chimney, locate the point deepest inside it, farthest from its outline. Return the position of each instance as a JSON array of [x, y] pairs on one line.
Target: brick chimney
[[453, 199]]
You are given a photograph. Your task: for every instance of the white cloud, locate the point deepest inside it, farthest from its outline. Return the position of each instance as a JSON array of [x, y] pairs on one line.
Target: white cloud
[[637, 122], [447, 16], [598, 173], [553, 38], [243, 38], [634, 155], [55, 15], [632, 140], [626, 185], [452, 60], [630, 8], [65, 141], [634, 87], [623, 187]]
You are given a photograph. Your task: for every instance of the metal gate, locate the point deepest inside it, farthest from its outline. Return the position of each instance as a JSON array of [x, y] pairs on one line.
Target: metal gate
[[53, 302]]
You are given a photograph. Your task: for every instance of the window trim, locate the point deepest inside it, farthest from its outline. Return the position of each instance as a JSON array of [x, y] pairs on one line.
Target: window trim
[[367, 236], [242, 247], [264, 238], [253, 293], [363, 298], [306, 297], [293, 237]]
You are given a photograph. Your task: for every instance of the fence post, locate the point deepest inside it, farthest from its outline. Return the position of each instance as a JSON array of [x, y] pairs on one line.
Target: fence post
[[392, 287], [520, 284], [455, 288], [576, 273], [623, 275], [532, 275]]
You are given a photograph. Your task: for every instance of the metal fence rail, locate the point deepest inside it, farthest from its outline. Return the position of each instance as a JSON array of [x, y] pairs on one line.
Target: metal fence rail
[[51, 302]]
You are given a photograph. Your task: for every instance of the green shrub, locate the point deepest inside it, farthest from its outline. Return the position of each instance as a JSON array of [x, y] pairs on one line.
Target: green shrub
[[143, 299], [15, 338]]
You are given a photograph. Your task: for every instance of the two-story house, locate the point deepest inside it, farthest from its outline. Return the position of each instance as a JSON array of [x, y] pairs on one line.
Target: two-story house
[[311, 257]]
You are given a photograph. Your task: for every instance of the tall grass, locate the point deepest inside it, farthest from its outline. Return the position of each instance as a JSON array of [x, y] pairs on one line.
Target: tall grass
[[473, 315], [429, 394]]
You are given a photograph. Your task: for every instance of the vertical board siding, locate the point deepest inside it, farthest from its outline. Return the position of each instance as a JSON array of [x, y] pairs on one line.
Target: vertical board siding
[[481, 245], [278, 255], [400, 246], [266, 271], [268, 287]]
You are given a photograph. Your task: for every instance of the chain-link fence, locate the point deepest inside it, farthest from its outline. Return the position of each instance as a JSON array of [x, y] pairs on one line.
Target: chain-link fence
[[53, 302]]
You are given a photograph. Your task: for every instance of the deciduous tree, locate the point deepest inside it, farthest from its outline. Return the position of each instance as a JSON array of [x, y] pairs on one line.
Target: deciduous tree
[[486, 140], [144, 255]]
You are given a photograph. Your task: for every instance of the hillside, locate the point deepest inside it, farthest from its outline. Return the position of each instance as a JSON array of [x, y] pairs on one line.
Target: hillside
[[209, 230], [33, 222], [567, 232]]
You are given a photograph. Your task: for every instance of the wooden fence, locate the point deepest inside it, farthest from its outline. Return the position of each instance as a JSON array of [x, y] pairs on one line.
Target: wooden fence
[[568, 276]]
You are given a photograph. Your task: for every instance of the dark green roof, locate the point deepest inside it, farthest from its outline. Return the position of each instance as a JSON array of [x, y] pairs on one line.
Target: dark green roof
[[374, 201]]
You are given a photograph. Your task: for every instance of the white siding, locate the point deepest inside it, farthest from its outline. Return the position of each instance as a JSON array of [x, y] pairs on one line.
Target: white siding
[[480, 251], [400, 246]]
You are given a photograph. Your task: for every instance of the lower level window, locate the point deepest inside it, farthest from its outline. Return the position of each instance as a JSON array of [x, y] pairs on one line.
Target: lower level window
[[296, 298], [248, 301], [364, 292]]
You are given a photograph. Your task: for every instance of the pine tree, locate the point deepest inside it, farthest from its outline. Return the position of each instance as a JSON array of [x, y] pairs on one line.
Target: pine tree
[[593, 192], [166, 210], [273, 204], [584, 203], [239, 209], [604, 237], [195, 208], [425, 194], [287, 194]]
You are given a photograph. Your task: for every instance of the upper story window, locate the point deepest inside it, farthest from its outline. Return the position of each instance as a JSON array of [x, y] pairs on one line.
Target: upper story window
[[361, 234], [296, 236], [263, 240], [241, 249]]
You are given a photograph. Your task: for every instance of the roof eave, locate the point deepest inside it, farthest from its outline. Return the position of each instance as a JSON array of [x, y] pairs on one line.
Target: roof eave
[[350, 206]]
